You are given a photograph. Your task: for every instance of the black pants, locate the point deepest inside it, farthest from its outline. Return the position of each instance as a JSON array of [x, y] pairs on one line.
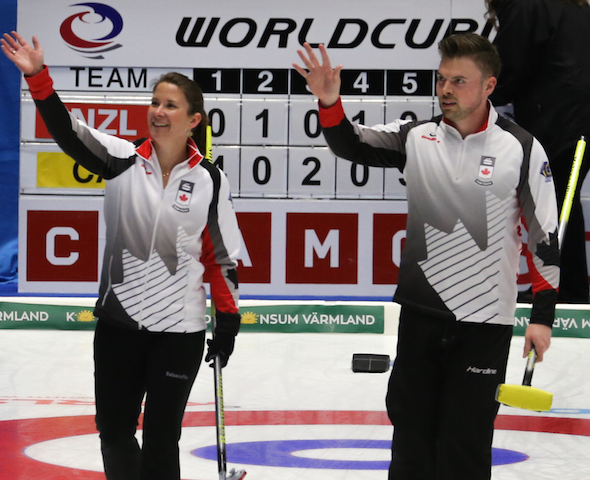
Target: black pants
[[128, 365], [573, 280], [441, 397]]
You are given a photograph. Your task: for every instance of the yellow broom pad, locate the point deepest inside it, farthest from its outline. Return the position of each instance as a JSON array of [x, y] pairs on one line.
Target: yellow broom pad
[[523, 396]]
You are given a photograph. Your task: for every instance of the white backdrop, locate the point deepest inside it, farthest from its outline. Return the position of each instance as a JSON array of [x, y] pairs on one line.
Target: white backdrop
[[238, 34]]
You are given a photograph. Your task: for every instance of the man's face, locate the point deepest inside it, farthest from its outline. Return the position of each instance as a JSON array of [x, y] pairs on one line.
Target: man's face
[[461, 89]]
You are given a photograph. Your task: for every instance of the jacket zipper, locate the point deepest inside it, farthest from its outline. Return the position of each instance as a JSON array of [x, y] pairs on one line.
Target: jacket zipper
[[149, 262]]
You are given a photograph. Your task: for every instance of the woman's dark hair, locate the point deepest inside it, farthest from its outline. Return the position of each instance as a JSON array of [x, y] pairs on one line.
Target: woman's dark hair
[[196, 104]]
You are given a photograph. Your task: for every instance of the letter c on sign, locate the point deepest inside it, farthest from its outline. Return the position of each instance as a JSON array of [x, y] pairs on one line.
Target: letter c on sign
[[50, 246], [396, 247]]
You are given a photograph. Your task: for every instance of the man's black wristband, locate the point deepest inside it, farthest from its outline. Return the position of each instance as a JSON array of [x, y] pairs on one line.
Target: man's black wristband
[[543, 309]]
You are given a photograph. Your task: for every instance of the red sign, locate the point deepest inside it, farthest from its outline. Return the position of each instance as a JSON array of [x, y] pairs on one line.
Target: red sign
[[62, 246], [254, 264], [125, 121], [389, 235], [322, 248]]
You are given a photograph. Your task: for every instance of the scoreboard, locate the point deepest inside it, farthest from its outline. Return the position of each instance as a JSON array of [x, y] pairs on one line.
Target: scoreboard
[[264, 125], [312, 225], [273, 118], [285, 182]]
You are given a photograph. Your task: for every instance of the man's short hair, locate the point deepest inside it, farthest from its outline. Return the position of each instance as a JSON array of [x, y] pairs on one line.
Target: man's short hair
[[478, 48]]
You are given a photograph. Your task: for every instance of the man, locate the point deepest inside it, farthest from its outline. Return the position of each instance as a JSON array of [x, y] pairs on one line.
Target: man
[[470, 177]]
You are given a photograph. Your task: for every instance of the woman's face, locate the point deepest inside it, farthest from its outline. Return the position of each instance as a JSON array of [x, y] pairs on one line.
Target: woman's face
[[168, 116]]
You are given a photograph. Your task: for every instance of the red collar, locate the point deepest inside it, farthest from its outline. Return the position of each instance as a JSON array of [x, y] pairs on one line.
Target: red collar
[[194, 158]]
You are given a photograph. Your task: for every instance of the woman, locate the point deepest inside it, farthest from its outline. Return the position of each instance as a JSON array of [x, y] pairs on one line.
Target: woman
[[169, 217]]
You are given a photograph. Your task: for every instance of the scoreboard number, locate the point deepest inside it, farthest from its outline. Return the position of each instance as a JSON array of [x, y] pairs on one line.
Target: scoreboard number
[[224, 118], [418, 83], [264, 122], [266, 78], [311, 173], [263, 172], [362, 82], [358, 181], [311, 124]]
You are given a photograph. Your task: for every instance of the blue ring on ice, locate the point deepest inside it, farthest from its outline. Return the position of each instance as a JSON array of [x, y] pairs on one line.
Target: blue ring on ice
[[279, 453]]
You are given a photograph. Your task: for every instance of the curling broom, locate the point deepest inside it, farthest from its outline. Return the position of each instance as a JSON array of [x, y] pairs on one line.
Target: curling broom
[[570, 191], [525, 396], [220, 417]]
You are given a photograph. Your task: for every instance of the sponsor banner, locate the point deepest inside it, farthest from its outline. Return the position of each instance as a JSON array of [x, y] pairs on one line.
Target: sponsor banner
[[290, 248], [320, 248], [71, 246], [61, 243], [237, 34], [279, 318], [341, 318], [569, 321], [39, 316], [276, 317]]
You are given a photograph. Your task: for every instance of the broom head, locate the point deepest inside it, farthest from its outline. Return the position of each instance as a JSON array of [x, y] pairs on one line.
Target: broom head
[[523, 396]]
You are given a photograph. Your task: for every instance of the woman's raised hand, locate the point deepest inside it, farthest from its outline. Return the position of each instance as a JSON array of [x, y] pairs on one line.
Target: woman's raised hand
[[27, 58]]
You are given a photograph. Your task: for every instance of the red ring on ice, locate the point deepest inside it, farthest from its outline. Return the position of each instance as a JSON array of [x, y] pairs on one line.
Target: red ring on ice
[[17, 435]]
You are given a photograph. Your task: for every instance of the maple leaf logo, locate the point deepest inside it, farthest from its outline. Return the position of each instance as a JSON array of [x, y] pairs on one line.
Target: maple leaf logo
[[485, 172], [183, 198], [549, 253]]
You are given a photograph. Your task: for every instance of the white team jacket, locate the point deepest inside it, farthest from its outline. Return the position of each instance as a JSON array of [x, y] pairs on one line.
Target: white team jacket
[[160, 239], [465, 202]]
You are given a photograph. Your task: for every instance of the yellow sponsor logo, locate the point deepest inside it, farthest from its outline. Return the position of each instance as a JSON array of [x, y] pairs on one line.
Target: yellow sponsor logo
[[249, 318], [85, 316], [58, 170]]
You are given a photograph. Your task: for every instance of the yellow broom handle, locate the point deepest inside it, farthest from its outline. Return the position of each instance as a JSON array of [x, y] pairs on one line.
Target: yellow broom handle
[[570, 191]]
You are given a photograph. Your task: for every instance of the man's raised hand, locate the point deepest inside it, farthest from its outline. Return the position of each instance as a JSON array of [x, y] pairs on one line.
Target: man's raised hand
[[323, 80]]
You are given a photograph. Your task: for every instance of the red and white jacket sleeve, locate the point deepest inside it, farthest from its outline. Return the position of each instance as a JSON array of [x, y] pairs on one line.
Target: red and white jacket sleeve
[[221, 247], [540, 216]]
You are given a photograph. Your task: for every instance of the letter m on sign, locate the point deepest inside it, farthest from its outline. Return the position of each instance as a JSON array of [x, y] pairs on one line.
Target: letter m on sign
[[322, 248], [329, 247]]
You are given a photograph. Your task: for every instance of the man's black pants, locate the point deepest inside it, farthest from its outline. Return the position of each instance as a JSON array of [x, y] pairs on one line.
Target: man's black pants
[[441, 397]]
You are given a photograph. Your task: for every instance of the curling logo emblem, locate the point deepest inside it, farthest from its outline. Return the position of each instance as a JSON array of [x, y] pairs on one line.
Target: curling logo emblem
[[92, 31], [486, 171], [183, 196]]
